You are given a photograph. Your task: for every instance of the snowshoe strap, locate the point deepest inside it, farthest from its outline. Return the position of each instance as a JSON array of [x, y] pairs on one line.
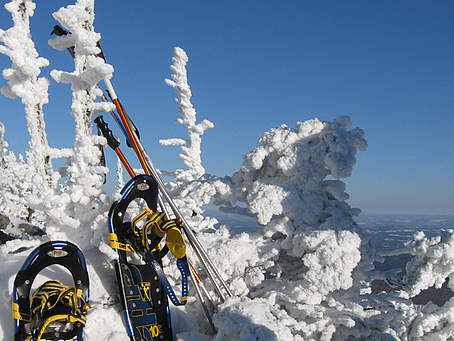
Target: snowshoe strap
[[151, 226], [156, 224], [183, 266], [54, 301], [17, 315], [115, 244]]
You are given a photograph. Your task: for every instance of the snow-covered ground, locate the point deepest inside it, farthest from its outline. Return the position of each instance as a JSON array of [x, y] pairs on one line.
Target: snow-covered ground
[[300, 266], [391, 231]]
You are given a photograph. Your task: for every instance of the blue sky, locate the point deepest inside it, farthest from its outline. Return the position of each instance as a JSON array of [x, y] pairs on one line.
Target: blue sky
[[254, 65]]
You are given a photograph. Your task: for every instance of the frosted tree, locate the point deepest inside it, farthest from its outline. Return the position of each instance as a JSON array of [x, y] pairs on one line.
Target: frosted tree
[[85, 173], [23, 82], [283, 180], [305, 254], [14, 182], [3, 145], [296, 262], [190, 147], [191, 189], [89, 70], [33, 177], [35, 182], [120, 180]]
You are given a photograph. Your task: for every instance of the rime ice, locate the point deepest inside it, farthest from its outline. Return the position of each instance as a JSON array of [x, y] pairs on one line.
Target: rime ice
[[306, 275]]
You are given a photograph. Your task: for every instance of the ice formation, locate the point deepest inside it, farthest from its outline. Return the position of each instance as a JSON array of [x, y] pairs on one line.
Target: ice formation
[[304, 276], [285, 175], [433, 262], [24, 82], [190, 147]]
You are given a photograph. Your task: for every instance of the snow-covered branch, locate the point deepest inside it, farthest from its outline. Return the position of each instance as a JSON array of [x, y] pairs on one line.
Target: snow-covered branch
[[23, 82], [86, 175], [433, 262], [190, 148]]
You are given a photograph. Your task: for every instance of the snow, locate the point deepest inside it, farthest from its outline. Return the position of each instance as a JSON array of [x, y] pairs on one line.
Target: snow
[[191, 147], [304, 272], [433, 261]]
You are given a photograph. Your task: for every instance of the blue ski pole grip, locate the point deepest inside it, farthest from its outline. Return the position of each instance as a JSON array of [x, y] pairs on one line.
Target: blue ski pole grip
[[112, 141]]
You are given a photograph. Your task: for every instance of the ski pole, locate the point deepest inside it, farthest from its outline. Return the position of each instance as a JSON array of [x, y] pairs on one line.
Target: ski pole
[[202, 285], [148, 167], [113, 143], [201, 299], [127, 123]]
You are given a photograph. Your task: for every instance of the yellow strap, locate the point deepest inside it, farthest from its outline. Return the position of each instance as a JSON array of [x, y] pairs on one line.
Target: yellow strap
[[70, 296], [153, 224], [115, 244], [52, 288], [169, 224], [144, 214], [18, 315], [156, 225], [74, 299], [45, 291]]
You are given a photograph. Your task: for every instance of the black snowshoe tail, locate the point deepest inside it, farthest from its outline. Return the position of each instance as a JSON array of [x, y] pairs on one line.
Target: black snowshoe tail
[[54, 311], [147, 314], [144, 299]]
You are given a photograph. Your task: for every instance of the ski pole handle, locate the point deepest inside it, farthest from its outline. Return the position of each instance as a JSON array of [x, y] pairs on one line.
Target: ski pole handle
[[112, 140]]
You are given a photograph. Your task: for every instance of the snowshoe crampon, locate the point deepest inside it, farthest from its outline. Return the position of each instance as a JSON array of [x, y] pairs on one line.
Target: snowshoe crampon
[[54, 311], [144, 288]]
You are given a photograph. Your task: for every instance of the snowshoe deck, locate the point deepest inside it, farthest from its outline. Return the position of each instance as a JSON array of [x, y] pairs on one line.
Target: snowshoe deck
[[145, 302], [62, 319]]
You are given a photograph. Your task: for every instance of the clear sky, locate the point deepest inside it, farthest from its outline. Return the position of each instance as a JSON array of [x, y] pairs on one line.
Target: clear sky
[[254, 65]]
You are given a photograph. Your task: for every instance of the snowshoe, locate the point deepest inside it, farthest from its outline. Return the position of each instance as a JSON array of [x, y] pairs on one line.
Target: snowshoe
[[144, 288], [54, 311]]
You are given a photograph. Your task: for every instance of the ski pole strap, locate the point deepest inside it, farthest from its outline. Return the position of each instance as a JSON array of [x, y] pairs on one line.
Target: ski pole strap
[[183, 266], [59, 303]]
